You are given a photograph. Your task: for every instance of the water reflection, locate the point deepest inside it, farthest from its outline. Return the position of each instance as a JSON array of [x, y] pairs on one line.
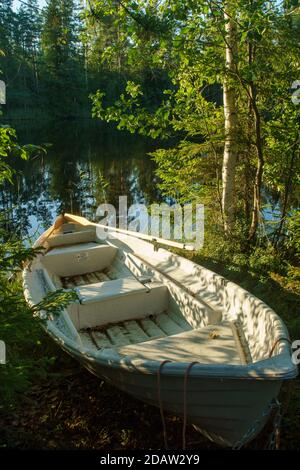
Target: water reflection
[[87, 163]]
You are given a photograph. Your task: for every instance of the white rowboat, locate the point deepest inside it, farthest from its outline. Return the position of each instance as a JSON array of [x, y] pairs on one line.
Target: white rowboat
[[163, 329]]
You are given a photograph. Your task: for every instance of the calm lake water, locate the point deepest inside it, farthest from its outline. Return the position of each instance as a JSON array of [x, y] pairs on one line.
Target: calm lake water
[[87, 163]]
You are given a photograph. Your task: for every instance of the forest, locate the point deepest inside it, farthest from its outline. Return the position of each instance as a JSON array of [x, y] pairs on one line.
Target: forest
[[54, 58], [212, 89]]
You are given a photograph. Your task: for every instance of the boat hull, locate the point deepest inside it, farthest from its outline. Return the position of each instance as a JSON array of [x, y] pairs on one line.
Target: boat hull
[[223, 410]]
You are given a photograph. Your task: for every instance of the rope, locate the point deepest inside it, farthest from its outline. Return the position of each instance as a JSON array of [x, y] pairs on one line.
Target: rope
[[273, 442], [281, 409], [160, 403], [186, 376], [276, 342]]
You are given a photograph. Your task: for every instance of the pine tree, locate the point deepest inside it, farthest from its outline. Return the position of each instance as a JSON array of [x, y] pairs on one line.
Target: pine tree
[[61, 55]]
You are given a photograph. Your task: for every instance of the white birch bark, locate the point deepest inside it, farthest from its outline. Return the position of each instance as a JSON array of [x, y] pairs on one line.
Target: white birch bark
[[230, 114]]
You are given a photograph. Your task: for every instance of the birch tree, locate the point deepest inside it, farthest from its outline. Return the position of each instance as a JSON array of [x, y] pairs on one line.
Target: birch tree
[[230, 121]]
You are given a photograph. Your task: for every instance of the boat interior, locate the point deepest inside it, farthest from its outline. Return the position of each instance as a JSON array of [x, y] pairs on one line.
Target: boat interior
[[125, 303]]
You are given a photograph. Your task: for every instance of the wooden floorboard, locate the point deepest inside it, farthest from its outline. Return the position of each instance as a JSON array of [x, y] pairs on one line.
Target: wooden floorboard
[[167, 324], [151, 328], [134, 331], [180, 320], [118, 335]]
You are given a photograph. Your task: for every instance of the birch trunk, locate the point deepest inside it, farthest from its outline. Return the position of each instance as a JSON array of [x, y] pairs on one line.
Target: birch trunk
[[230, 114]]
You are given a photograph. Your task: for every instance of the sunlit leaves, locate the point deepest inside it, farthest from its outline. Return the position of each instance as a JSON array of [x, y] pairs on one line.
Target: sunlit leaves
[[193, 55]]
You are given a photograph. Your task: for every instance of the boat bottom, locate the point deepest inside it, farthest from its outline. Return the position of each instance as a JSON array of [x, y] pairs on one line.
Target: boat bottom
[[229, 412]]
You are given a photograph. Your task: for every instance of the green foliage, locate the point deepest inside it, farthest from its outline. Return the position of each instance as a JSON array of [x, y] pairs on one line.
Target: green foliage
[[20, 325], [54, 57], [62, 63], [8, 148], [192, 53], [293, 234], [55, 302]]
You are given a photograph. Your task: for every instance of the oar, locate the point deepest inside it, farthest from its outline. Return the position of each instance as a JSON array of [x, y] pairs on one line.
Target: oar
[[83, 221]]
